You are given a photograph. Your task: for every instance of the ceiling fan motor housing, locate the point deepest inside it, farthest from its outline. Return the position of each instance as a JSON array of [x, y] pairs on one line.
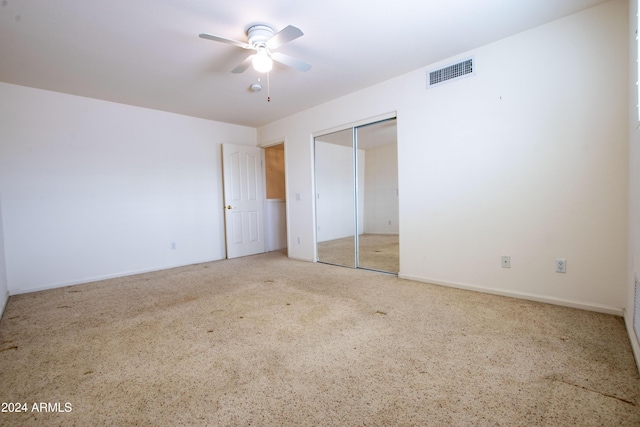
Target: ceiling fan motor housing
[[259, 34]]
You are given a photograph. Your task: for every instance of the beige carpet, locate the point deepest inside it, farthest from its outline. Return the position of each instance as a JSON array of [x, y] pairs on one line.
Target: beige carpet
[[379, 252], [269, 341]]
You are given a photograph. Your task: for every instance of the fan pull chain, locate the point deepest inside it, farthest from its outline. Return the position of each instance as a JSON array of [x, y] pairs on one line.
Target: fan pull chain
[[268, 88]]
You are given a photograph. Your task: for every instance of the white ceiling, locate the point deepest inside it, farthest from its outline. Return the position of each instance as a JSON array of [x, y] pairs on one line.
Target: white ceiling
[[147, 52]]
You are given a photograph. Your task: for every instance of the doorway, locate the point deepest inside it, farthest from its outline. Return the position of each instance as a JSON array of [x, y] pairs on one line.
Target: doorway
[[254, 199], [276, 201], [357, 214], [243, 189]]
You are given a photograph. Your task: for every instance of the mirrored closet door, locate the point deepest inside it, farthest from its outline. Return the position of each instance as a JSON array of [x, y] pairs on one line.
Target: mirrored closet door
[[335, 194], [356, 176]]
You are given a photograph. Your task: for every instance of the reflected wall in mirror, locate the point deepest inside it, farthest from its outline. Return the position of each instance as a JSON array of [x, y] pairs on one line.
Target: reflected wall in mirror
[[356, 174], [335, 192]]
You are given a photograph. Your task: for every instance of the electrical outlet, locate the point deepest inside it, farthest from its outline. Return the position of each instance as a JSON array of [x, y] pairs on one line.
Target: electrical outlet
[[506, 262], [173, 246], [561, 265], [299, 240]]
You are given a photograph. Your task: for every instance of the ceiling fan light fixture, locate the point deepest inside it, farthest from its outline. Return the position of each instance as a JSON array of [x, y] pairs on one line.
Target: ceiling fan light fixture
[[264, 40], [262, 62]]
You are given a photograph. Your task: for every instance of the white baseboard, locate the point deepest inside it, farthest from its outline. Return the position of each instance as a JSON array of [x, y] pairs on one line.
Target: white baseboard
[[616, 311], [635, 345], [300, 258], [3, 304], [104, 277]]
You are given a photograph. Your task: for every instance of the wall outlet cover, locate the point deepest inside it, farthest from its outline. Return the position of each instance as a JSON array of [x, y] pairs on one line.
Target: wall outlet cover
[[506, 262]]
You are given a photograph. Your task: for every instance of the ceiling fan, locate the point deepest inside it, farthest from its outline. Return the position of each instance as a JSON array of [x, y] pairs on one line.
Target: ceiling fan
[[263, 39]]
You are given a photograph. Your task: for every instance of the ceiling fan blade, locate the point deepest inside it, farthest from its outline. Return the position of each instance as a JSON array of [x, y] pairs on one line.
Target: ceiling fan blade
[[225, 40], [243, 65], [284, 36], [289, 61]]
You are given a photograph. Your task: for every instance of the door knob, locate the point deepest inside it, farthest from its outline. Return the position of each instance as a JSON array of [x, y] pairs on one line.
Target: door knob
[[230, 207]]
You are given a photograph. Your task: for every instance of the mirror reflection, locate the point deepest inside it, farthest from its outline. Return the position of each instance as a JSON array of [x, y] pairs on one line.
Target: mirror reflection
[[378, 242], [335, 193]]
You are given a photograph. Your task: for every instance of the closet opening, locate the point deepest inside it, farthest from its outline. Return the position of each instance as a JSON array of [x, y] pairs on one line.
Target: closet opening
[[276, 199], [356, 197]]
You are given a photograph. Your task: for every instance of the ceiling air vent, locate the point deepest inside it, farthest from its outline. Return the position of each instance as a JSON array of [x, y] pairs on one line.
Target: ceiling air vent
[[450, 72]]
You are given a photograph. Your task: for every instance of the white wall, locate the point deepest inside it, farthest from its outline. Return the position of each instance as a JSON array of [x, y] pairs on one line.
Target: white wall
[[93, 189], [4, 291], [634, 180], [528, 158], [381, 184], [276, 224], [335, 191]]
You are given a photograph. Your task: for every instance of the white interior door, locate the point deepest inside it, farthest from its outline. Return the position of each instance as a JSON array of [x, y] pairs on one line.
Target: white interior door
[[243, 200]]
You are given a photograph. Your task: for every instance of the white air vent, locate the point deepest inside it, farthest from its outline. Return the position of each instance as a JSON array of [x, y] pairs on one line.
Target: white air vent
[[450, 72]]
